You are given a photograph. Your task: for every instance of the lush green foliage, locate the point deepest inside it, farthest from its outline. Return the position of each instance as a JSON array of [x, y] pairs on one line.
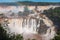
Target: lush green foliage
[[5, 36], [58, 36], [54, 15]]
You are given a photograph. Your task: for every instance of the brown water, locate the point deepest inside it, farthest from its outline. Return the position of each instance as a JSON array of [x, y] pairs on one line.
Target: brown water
[[32, 36]]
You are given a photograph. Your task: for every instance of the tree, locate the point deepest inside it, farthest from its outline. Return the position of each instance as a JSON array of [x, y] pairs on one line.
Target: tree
[[57, 37], [5, 36], [54, 15], [26, 11], [17, 37]]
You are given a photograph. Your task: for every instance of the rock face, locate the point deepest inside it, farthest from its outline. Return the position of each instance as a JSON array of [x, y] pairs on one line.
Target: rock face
[[31, 25]]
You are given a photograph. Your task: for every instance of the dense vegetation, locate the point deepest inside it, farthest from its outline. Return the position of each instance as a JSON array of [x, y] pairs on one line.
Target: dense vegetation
[[30, 3], [5, 36], [54, 15], [38, 3]]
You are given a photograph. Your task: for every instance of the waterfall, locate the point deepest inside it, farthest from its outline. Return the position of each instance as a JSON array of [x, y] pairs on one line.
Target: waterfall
[[31, 25], [36, 23], [24, 25]]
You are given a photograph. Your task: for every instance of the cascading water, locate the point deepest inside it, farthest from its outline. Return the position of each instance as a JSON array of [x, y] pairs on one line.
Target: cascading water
[[32, 24]]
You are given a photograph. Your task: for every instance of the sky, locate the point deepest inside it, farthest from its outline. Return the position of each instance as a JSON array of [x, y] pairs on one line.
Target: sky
[[30, 0]]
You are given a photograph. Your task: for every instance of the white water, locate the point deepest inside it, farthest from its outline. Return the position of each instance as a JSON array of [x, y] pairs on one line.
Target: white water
[[31, 24]]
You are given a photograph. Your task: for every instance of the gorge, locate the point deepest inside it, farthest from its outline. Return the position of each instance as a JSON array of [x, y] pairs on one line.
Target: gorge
[[28, 21]]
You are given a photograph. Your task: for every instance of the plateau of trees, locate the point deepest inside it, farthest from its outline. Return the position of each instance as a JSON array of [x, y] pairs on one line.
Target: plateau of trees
[[54, 15]]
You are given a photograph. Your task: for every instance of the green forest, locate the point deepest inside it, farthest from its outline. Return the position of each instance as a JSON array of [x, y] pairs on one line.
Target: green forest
[[54, 15]]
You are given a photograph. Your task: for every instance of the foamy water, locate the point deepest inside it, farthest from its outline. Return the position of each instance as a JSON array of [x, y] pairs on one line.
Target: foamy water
[[30, 26], [36, 26]]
